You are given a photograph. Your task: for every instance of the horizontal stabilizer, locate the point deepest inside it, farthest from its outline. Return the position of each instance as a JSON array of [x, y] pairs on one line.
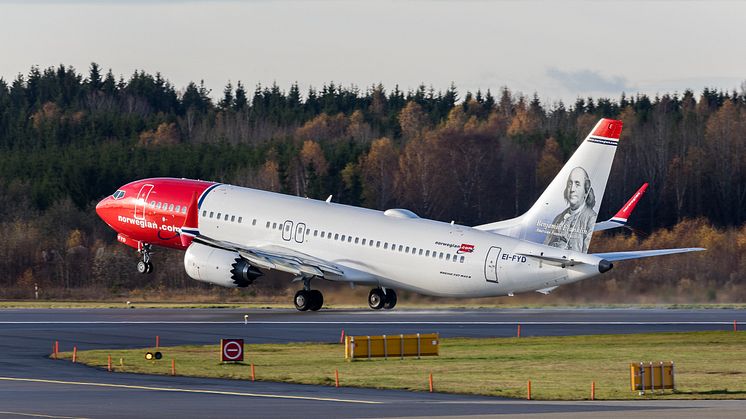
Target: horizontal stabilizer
[[637, 254], [563, 262]]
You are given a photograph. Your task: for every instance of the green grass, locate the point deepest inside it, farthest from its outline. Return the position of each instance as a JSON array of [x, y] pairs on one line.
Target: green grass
[[709, 365]]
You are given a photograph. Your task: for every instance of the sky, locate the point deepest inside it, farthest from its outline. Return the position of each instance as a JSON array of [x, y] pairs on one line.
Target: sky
[[560, 50]]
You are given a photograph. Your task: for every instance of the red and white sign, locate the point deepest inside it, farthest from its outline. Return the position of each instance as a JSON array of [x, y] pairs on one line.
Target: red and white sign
[[231, 349]]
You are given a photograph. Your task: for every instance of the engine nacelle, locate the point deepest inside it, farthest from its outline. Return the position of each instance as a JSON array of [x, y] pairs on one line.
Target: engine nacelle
[[218, 266]]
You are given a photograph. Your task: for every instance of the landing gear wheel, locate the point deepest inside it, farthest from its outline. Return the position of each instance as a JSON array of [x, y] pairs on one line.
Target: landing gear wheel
[[302, 300], [145, 266], [376, 299], [317, 300], [390, 299], [142, 267]]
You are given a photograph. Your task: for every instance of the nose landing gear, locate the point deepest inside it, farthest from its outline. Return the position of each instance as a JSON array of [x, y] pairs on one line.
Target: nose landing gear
[[379, 298], [145, 266]]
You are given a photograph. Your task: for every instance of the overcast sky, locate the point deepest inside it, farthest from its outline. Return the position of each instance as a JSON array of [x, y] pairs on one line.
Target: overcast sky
[[558, 49]]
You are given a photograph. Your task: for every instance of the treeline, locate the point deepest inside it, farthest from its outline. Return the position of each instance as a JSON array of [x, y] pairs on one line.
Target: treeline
[[68, 138]]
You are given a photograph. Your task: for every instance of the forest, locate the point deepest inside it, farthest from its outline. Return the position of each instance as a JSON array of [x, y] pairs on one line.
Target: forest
[[69, 138]]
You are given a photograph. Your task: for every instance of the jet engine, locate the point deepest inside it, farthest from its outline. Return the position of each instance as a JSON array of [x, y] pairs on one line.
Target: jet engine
[[219, 267]]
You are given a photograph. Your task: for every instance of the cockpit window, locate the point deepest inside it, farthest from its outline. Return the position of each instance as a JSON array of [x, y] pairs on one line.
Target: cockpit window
[[118, 194]]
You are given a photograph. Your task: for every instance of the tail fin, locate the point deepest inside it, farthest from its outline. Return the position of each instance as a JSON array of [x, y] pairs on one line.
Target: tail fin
[[565, 214]]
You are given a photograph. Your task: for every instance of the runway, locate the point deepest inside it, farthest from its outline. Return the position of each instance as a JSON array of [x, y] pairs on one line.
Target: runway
[[32, 384]]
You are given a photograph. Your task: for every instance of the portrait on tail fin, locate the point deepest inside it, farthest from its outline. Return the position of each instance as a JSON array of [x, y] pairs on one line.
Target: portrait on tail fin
[[572, 228]]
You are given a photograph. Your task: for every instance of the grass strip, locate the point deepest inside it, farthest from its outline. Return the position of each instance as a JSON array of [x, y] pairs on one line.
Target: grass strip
[[709, 365]]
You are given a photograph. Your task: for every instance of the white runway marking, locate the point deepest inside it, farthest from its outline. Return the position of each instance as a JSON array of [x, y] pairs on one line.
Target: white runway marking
[[382, 323], [39, 415], [186, 390]]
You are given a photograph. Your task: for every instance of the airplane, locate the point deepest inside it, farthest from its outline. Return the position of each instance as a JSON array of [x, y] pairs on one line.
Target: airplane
[[232, 235]]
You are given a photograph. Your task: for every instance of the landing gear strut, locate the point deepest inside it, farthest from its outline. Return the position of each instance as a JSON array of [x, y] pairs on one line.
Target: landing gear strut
[[145, 266], [379, 298], [308, 299]]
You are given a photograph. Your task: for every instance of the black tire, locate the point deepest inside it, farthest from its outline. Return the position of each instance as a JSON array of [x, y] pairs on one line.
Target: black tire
[[390, 299], [142, 267], [150, 268], [317, 300], [302, 300], [376, 299]]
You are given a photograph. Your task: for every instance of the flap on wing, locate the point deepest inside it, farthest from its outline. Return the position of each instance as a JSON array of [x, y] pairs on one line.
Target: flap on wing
[[277, 257]]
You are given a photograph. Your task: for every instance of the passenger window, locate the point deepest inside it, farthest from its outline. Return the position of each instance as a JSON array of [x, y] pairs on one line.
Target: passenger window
[[183, 209], [178, 208], [158, 206], [441, 255], [448, 256], [233, 218], [253, 222], [218, 217], [152, 204], [287, 227], [336, 236], [274, 226], [226, 217], [378, 243], [240, 219], [406, 250], [420, 252], [349, 239], [171, 207], [385, 245], [204, 213], [211, 214], [362, 243], [315, 233], [343, 237], [357, 239], [462, 259], [267, 224], [401, 247], [427, 253], [322, 234]]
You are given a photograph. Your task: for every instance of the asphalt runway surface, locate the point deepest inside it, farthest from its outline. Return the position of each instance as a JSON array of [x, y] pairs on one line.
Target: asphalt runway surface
[[32, 384]]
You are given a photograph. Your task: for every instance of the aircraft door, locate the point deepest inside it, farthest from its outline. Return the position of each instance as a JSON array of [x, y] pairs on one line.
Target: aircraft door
[[300, 232], [490, 264], [287, 230], [142, 201]]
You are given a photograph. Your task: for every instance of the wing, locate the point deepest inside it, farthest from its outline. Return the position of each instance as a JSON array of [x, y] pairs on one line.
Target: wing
[[279, 258], [637, 254], [620, 218]]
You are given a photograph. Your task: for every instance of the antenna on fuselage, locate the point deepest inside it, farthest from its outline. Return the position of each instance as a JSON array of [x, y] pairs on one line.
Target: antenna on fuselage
[[329, 200]]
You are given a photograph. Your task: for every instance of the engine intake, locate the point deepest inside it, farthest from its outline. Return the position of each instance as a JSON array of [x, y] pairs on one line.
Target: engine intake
[[220, 267]]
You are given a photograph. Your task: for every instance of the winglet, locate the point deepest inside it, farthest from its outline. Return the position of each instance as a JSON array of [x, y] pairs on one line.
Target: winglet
[[620, 218], [623, 214]]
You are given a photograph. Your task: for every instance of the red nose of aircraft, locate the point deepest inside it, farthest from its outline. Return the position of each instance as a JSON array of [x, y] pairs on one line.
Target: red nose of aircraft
[[105, 208]]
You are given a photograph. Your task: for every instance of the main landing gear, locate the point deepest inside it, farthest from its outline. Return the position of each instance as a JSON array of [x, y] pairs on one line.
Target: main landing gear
[[308, 299], [145, 266], [379, 298]]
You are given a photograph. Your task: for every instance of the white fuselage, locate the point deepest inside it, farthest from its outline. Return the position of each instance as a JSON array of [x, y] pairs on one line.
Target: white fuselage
[[392, 251]]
